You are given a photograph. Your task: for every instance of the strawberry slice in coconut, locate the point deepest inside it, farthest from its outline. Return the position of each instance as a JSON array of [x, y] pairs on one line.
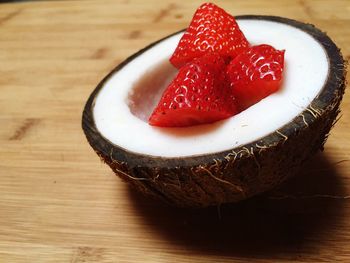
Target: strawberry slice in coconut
[[211, 29], [255, 74], [199, 94]]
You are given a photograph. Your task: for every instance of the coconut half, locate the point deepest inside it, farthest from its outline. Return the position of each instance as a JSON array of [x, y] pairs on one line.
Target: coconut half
[[229, 160]]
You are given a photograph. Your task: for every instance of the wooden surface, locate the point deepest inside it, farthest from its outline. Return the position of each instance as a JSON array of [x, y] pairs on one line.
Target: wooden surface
[[59, 203]]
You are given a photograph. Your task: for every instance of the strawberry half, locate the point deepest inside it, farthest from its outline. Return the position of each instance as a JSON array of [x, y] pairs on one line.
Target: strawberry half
[[255, 74], [200, 93], [211, 29]]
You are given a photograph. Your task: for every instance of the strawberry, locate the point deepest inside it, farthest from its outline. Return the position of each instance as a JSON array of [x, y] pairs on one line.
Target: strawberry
[[255, 74], [211, 29], [200, 93]]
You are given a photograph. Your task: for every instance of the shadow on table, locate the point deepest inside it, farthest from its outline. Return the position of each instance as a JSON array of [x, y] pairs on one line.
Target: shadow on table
[[283, 221], [15, 1]]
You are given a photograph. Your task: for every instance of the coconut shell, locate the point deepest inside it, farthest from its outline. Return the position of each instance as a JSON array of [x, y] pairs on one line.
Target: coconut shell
[[239, 173]]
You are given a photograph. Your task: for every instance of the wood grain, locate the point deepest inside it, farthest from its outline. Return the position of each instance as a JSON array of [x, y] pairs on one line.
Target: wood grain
[[58, 203]]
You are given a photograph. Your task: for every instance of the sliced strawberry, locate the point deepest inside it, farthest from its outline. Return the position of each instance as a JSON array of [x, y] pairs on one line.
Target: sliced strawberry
[[211, 29], [255, 74], [200, 93]]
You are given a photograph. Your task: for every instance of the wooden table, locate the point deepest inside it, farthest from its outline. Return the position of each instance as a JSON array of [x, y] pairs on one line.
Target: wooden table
[[59, 203]]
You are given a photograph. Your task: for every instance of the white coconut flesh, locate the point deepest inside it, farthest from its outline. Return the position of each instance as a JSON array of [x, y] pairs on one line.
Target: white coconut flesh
[[128, 97]]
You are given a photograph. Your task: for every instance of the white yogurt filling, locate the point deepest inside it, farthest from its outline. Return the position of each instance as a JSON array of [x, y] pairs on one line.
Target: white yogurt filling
[[306, 70]]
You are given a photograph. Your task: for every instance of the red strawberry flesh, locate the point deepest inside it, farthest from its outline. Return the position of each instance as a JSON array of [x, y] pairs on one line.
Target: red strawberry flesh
[[255, 74], [211, 30], [200, 93]]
